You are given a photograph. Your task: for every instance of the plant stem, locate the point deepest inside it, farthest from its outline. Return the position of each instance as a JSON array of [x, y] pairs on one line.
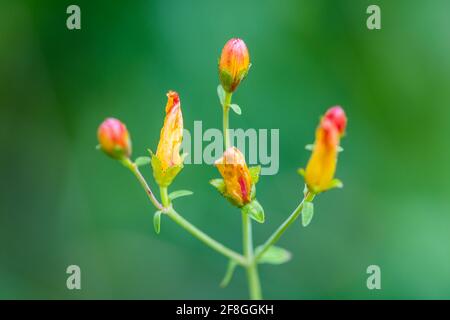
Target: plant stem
[[164, 196], [167, 209], [226, 111], [282, 228], [254, 285], [134, 168], [210, 242]]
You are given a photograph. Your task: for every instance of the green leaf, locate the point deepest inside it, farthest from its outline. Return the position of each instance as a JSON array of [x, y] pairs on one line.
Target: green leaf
[[274, 255], [157, 221], [307, 213], [229, 273], [179, 193], [255, 210], [221, 94], [219, 184], [142, 161], [236, 109], [254, 173]]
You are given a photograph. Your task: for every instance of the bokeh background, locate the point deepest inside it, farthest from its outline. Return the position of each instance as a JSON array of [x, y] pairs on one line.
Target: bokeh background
[[63, 202]]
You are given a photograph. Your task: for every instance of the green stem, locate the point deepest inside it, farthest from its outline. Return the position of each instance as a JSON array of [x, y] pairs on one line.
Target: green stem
[[167, 209], [252, 269], [226, 112], [282, 228], [210, 242], [134, 168], [164, 196]]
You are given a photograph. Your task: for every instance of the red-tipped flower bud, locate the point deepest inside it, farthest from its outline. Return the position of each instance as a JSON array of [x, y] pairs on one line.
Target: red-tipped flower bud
[[167, 162], [234, 64], [114, 138], [319, 173], [337, 116]]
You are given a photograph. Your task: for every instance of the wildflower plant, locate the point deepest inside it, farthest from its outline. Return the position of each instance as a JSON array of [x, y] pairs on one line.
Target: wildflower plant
[[238, 182]]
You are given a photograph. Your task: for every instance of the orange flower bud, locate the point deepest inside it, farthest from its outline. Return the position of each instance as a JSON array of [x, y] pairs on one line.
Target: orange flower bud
[[236, 176], [319, 174], [337, 116], [234, 64], [114, 138], [167, 162], [171, 136]]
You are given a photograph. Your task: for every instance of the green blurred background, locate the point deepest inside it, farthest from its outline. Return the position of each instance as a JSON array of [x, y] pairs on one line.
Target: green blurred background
[[63, 202]]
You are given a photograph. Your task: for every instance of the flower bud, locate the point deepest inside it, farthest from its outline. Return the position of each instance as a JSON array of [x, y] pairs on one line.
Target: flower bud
[[114, 138], [236, 176], [337, 116], [319, 173], [234, 64], [167, 161]]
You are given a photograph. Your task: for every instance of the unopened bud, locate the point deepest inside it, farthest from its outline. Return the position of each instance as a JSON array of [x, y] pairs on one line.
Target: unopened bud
[[114, 138], [234, 64]]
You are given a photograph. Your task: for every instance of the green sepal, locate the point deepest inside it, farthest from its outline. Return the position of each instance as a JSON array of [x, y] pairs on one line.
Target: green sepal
[[309, 147], [273, 255], [179, 193], [254, 173], [335, 183], [229, 273], [253, 192], [236, 108], [301, 172], [219, 184], [142, 161], [164, 177], [157, 221], [226, 81], [254, 210], [221, 94], [307, 213]]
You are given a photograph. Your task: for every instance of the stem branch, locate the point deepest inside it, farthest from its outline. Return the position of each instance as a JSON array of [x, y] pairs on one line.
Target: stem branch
[[134, 168], [167, 209], [282, 228], [200, 235]]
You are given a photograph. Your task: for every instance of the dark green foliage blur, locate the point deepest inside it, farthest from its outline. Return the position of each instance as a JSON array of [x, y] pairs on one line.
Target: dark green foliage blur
[[63, 202]]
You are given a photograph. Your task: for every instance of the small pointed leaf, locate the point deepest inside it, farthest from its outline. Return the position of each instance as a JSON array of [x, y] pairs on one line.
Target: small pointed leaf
[[221, 94], [157, 221], [179, 193], [229, 273], [274, 255], [307, 213], [236, 108], [142, 161]]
